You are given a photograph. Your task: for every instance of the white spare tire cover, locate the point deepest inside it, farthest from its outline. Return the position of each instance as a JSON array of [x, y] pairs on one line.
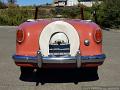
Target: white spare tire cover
[[59, 26]]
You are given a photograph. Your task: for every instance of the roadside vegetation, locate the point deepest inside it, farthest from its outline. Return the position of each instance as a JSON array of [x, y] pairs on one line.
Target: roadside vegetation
[[107, 13]]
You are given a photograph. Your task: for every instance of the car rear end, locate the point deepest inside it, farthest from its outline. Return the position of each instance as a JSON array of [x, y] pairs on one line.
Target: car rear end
[[59, 44]]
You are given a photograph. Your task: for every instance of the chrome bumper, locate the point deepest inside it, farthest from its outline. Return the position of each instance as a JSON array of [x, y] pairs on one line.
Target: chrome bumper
[[39, 59]]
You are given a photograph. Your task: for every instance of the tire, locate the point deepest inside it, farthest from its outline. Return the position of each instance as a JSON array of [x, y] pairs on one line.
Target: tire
[[26, 73], [90, 70], [26, 70], [90, 73]]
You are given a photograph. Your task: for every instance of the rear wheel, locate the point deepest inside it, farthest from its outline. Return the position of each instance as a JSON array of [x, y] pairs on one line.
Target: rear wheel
[[90, 73], [26, 73], [90, 70], [26, 70]]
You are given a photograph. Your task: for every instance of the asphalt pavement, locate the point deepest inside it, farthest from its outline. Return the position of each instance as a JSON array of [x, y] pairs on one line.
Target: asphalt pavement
[[108, 73]]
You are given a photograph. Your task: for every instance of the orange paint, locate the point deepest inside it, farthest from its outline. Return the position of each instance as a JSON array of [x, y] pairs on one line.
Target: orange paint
[[32, 31], [26, 64]]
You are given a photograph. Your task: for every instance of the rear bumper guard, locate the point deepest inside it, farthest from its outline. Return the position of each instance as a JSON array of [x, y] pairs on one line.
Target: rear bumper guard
[[39, 59]]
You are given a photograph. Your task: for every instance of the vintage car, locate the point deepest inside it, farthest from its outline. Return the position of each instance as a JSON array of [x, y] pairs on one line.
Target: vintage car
[[58, 43]]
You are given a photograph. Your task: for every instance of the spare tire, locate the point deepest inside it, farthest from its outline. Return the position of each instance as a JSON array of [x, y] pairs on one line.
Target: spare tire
[[59, 26]]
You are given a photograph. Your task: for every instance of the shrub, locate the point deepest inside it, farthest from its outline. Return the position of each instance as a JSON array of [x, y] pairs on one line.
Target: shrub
[[14, 16], [17, 15], [108, 13]]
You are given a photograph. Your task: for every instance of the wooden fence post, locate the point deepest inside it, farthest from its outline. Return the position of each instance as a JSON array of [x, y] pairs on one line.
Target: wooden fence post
[[36, 12], [95, 16], [82, 12]]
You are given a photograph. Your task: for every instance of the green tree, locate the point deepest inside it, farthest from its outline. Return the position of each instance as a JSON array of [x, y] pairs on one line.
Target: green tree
[[79, 2], [11, 1], [2, 5], [108, 13], [112, 13]]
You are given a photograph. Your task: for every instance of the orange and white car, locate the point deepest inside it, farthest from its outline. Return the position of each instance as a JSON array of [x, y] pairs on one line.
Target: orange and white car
[[47, 43]]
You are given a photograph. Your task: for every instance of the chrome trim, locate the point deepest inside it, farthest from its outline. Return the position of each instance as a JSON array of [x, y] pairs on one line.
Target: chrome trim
[[92, 61], [39, 59], [25, 61], [59, 58], [86, 42], [62, 59], [39, 55], [78, 59], [83, 58], [57, 61]]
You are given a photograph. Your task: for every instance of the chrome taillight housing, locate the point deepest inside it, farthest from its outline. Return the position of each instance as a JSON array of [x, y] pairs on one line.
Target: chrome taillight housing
[[20, 36], [98, 36]]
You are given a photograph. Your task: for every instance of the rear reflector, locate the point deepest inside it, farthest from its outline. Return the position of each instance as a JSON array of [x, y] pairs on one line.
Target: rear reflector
[[20, 36], [98, 36]]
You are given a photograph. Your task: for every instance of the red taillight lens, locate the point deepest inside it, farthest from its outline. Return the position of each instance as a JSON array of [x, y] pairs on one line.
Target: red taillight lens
[[98, 36], [20, 36]]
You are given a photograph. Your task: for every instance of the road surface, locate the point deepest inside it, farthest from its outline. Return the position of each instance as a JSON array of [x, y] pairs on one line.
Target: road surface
[[109, 72]]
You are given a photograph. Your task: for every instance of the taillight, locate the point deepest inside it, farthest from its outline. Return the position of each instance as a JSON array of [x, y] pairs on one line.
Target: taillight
[[20, 36], [98, 36]]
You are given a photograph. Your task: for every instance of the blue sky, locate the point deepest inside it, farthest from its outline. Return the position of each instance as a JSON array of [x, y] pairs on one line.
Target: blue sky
[[32, 2]]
